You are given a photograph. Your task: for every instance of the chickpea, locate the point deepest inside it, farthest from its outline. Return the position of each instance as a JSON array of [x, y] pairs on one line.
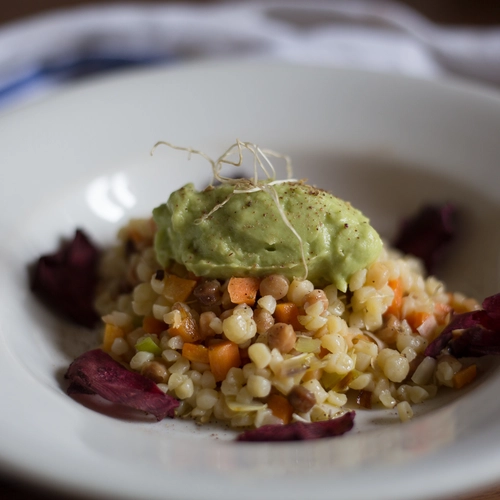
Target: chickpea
[[208, 292], [155, 371], [275, 285], [314, 297], [263, 319], [298, 290], [282, 337], [301, 399]]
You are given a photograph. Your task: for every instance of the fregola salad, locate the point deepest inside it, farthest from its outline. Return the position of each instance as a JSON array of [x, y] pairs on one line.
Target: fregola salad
[[269, 305]]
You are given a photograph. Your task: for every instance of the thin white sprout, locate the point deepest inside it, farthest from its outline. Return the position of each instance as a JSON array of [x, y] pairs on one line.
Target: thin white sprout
[[180, 148], [244, 184], [271, 166]]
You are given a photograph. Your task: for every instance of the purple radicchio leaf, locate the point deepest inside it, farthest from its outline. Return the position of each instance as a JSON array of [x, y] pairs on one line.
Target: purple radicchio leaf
[[457, 322], [492, 305], [481, 333], [427, 234], [96, 372], [299, 431], [476, 341], [66, 279]]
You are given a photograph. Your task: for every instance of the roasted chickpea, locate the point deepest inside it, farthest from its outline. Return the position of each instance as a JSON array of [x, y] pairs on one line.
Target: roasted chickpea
[[275, 285], [301, 399], [208, 292], [155, 371], [263, 319], [315, 297], [282, 337]]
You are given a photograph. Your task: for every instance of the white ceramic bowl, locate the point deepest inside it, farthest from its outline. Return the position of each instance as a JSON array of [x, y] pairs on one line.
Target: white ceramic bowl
[[386, 143]]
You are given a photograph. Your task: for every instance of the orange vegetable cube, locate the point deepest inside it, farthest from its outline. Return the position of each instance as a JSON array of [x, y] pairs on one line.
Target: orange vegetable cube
[[397, 302], [288, 312], [464, 376], [243, 290], [111, 333], [195, 352], [222, 357], [178, 289], [416, 318], [152, 325], [187, 329], [280, 407]]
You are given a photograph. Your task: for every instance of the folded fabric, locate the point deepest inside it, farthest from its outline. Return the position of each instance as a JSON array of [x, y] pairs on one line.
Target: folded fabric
[[39, 53]]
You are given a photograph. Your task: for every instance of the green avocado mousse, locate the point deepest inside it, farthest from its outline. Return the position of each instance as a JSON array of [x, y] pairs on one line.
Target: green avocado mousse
[[284, 227]]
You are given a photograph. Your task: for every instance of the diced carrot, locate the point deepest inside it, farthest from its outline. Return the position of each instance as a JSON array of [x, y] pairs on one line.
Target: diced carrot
[[464, 376], [152, 325], [187, 329], [243, 290], [288, 312], [441, 312], [222, 357], [195, 352], [280, 407], [178, 289], [397, 302], [111, 333], [416, 318]]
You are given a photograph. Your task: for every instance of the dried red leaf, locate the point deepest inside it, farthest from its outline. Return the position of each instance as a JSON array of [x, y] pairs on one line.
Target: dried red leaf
[[66, 279], [476, 342], [481, 334], [96, 372], [427, 234], [299, 431]]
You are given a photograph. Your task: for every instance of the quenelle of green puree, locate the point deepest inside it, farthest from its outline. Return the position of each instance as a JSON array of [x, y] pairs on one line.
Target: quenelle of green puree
[[248, 236]]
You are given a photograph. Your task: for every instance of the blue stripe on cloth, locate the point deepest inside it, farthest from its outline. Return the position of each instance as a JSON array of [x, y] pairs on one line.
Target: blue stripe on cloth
[[51, 74]]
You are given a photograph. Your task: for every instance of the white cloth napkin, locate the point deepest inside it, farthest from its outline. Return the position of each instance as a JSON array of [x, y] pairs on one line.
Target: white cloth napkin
[[39, 53]]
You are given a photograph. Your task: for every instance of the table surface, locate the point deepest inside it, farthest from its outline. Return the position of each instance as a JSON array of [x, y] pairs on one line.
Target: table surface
[[479, 12]]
